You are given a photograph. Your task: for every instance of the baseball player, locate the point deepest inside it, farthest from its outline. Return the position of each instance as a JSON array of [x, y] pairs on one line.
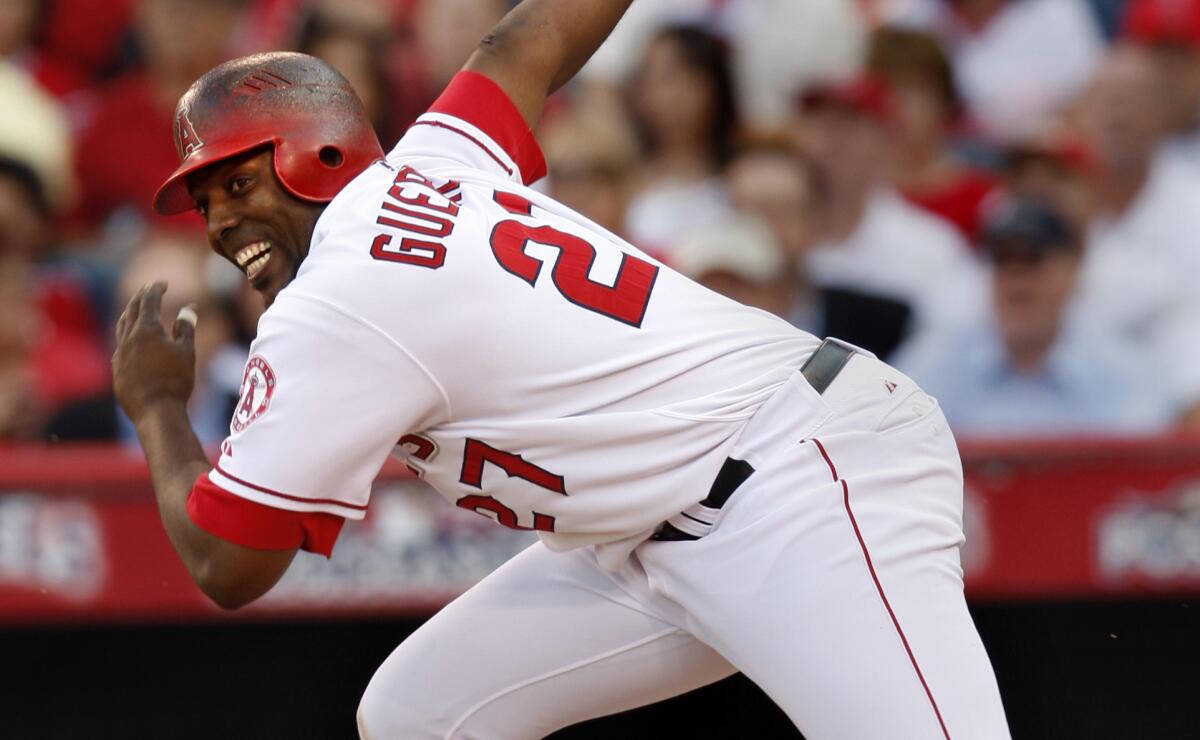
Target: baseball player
[[714, 490]]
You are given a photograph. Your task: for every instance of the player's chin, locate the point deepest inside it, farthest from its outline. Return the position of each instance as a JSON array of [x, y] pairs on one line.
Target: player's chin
[[272, 280], [267, 295], [269, 290]]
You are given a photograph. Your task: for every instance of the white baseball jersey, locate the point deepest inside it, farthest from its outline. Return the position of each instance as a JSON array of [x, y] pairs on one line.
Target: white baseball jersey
[[530, 365], [538, 370]]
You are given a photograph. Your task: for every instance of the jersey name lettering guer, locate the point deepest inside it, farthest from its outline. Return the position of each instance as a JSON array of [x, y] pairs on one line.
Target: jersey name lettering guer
[[414, 205]]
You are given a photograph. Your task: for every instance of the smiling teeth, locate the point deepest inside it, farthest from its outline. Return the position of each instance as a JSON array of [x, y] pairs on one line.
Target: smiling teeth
[[257, 265], [249, 252]]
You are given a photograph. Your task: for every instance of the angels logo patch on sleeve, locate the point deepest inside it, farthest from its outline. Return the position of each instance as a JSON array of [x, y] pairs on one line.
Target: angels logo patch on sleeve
[[258, 385]]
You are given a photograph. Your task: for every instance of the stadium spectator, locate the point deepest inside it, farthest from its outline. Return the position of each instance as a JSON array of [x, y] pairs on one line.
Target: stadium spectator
[[356, 44], [925, 166], [1170, 31], [873, 241], [51, 352], [20, 412], [19, 21], [1016, 61], [863, 265], [439, 36], [183, 263], [18, 24], [1142, 261], [769, 180], [1027, 369], [619, 57], [1054, 167], [590, 152], [1125, 117], [125, 150], [776, 46], [63, 45], [782, 45], [686, 115], [740, 259], [34, 131]]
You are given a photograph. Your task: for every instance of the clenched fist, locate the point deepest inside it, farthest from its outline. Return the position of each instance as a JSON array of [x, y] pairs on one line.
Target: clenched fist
[[149, 366]]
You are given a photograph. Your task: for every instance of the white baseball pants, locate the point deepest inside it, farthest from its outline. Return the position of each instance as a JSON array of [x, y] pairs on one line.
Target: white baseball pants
[[831, 579]]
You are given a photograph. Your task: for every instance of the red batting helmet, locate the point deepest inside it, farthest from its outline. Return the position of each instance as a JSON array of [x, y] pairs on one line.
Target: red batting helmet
[[294, 102]]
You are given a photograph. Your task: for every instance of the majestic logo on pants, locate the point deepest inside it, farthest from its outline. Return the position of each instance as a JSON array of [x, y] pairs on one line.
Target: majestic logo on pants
[[258, 385]]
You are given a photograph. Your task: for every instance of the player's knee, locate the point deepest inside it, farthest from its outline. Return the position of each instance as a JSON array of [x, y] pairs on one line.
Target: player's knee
[[388, 715], [379, 719]]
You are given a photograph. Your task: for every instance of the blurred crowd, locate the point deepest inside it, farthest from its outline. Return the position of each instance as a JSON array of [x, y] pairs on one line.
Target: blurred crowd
[[1001, 197]]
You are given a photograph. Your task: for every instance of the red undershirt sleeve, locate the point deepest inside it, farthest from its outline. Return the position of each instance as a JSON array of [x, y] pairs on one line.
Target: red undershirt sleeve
[[250, 524], [478, 101], [320, 411]]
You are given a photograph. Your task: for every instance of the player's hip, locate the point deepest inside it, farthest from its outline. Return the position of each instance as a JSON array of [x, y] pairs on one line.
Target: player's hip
[[855, 416]]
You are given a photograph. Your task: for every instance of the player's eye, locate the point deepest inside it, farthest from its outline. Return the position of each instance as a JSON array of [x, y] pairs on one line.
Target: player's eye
[[240, 183], [202, 209]]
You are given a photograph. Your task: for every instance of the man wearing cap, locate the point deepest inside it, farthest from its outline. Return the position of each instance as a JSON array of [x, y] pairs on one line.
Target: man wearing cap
[[872, 240], [739, 258], [1026, 368]]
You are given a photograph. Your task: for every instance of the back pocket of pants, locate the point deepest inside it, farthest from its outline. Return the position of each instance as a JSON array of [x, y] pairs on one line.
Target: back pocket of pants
[[911, 409]]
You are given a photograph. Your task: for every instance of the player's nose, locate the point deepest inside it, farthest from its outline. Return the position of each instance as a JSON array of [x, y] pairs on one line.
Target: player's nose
[[221, 218]]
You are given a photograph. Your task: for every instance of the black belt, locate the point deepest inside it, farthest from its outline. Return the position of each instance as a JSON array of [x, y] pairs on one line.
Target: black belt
[[819, 370]]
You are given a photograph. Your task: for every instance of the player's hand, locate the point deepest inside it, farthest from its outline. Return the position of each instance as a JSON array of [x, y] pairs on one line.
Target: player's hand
[[150, 367]]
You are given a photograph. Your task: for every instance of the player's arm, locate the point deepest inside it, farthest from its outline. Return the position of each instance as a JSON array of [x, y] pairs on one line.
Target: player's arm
[[540, 45], [153, 375]]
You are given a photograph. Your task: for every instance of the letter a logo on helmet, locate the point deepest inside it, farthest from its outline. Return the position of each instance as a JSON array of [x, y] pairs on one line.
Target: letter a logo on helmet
[[296, 104], [186, 138]]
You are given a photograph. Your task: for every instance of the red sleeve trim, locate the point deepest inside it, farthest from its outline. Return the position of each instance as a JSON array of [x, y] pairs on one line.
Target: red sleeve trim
[[480, 102], [438, 124], [289, 497], [251, 524]]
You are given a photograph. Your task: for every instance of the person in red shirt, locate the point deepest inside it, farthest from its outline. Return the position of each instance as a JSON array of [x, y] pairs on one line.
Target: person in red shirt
[[125, 150], [924, 109], [63, 45], [49, 350]]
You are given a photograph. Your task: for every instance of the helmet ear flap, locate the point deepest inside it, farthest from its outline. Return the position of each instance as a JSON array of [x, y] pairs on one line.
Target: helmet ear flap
[[289, 172], [305, 170], [331, 156]]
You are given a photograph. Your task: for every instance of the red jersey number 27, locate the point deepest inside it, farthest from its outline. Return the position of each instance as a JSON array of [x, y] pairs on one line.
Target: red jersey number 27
[[476, 454], [625, 300]]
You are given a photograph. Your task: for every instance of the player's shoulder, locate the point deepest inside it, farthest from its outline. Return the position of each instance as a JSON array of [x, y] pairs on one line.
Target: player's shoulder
[[389, 203], [383, 246], [472, 124]]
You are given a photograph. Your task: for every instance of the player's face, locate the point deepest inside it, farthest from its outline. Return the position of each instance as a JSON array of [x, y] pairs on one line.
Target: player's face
[[253, 221]]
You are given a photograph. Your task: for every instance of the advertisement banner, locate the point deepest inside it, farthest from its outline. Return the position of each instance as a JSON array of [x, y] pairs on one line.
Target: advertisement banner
[[80, 538]]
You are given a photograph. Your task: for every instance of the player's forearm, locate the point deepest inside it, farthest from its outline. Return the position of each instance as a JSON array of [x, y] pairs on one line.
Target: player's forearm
[[567, 32], [541, 44], [176, 460], [231, 575]]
